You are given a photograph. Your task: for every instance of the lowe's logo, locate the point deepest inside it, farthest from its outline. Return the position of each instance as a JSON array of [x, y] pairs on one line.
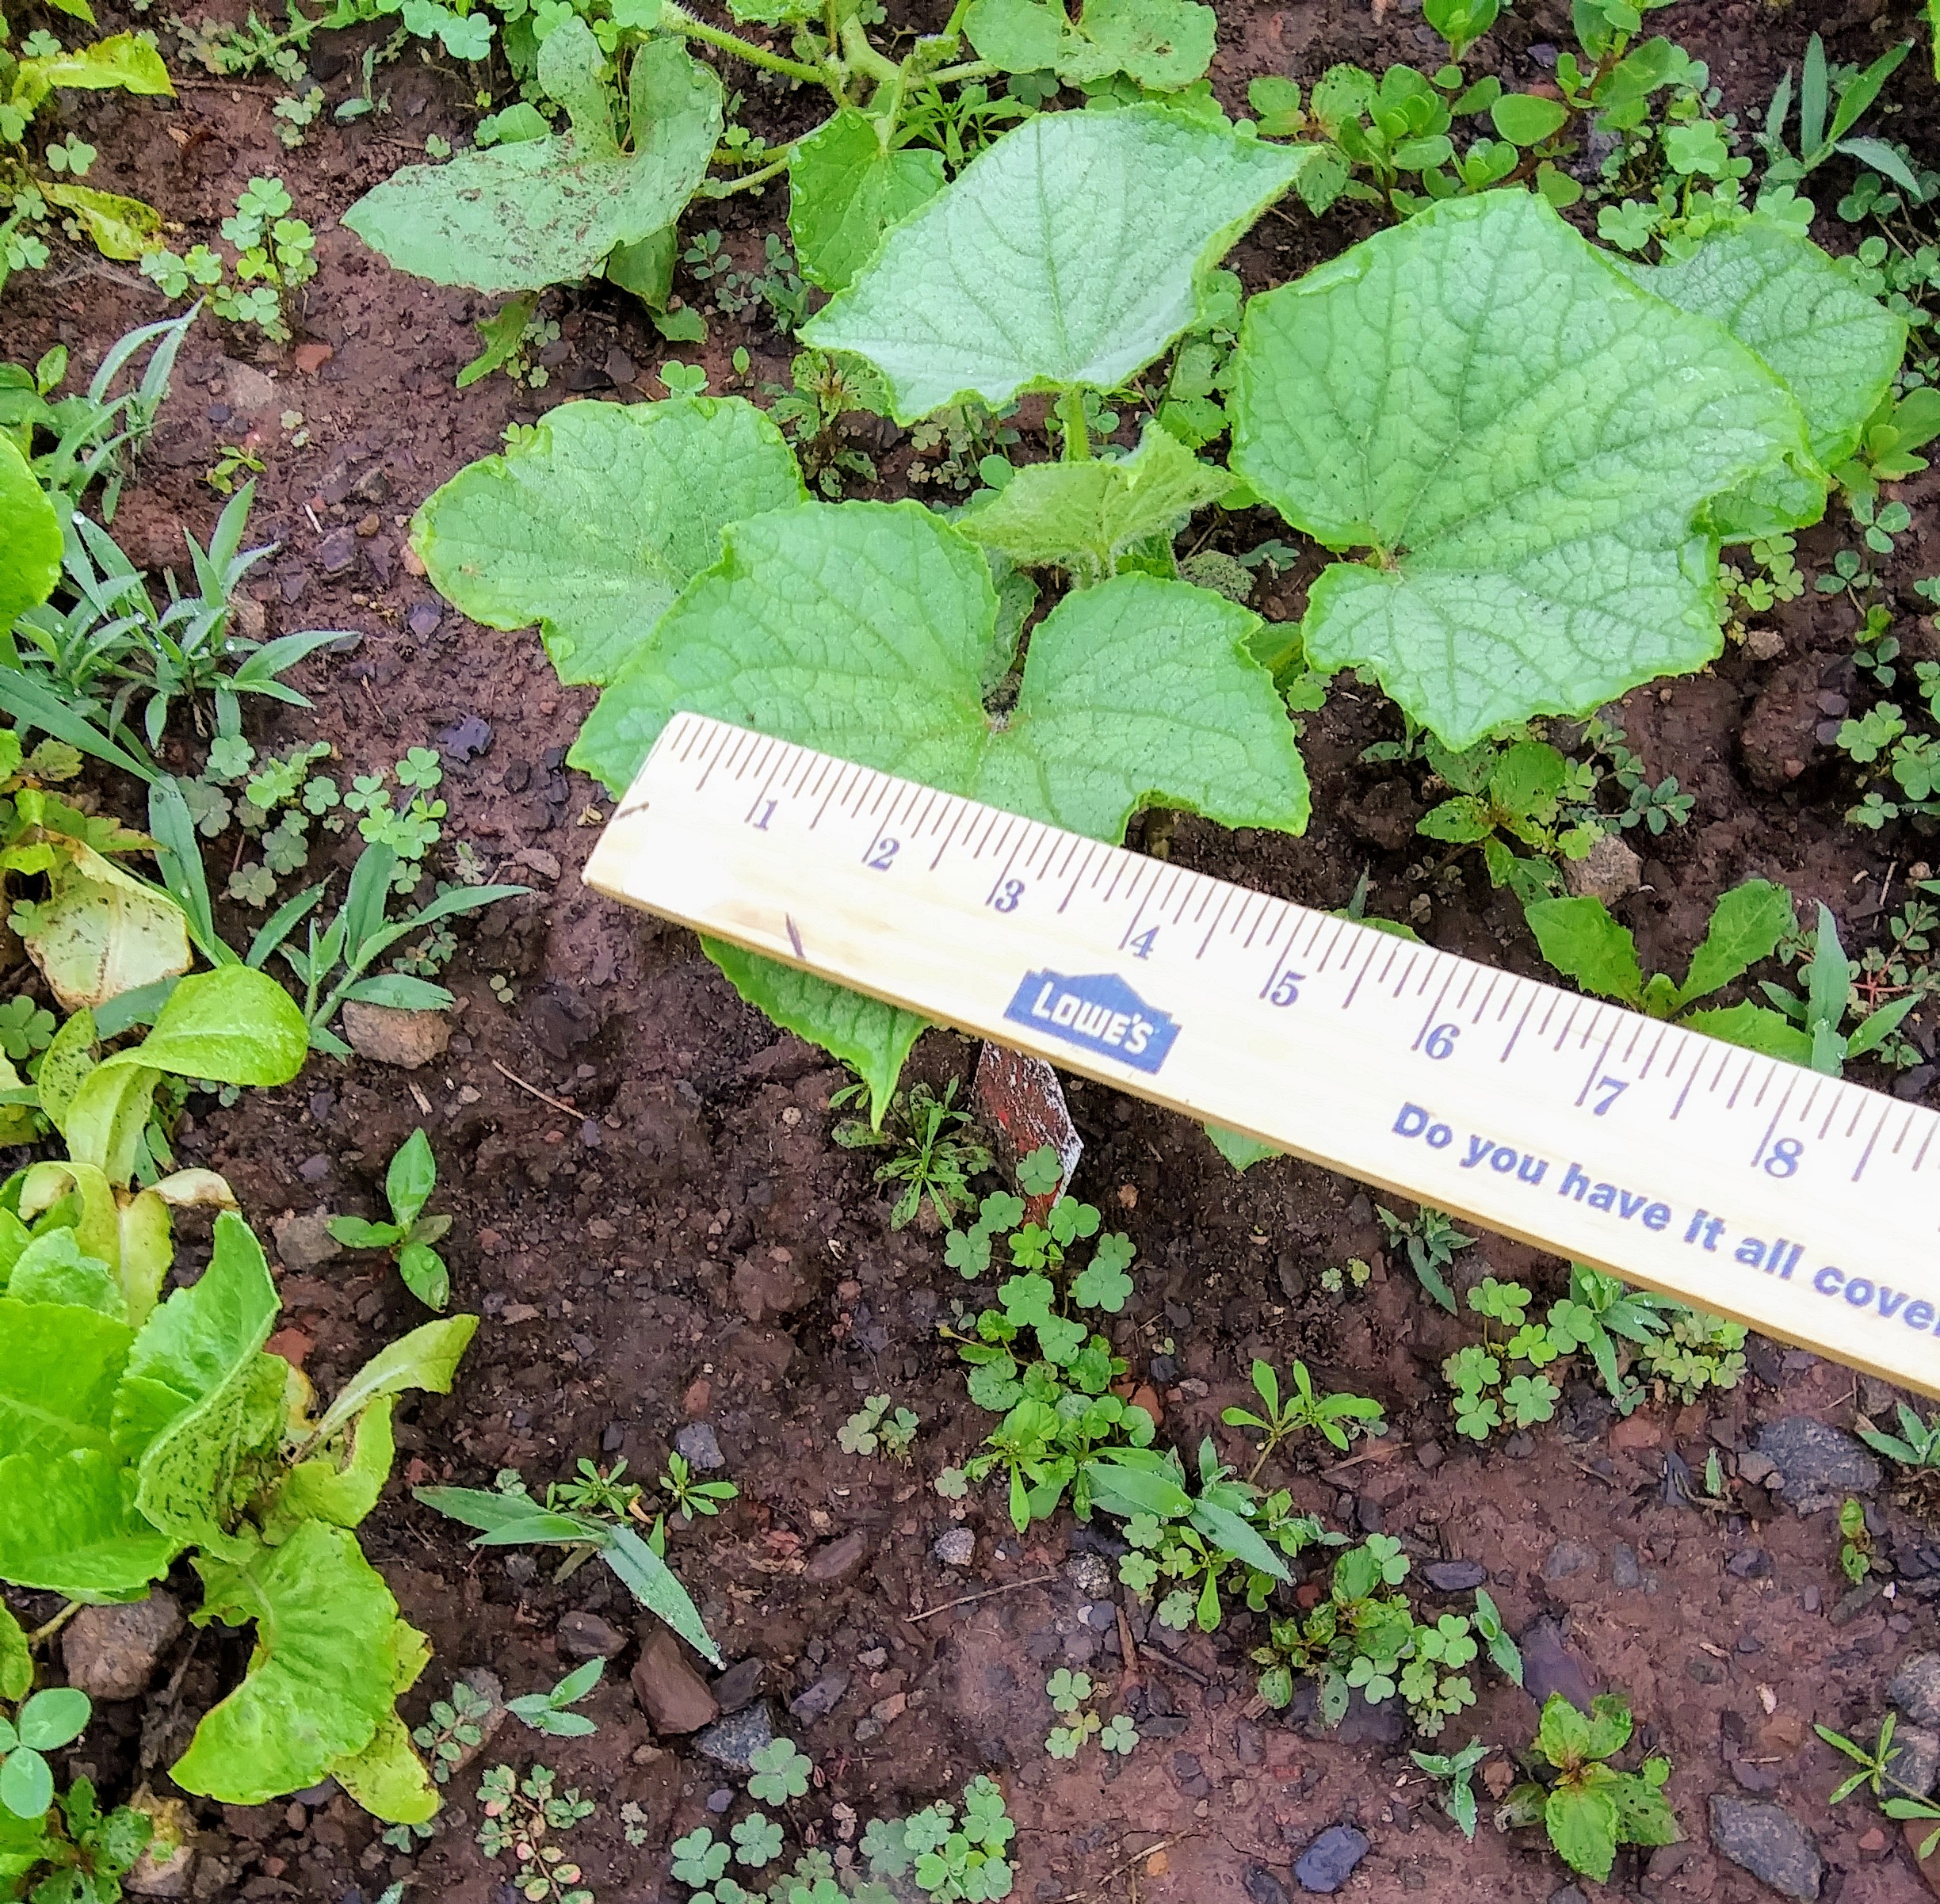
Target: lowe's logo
[[1098, 1012]]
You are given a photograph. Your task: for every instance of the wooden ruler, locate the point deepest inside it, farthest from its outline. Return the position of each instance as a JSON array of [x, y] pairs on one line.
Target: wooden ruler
[[1793, 1202]]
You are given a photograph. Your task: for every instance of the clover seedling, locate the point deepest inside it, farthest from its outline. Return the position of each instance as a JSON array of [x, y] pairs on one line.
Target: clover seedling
[[872, 1428], [547, 1712], [780, 1772], [408, 1184], [45, 1722]]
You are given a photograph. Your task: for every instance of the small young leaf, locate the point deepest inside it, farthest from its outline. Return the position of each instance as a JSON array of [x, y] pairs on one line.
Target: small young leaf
[[846, 189], [410, 1179], [1746, 926], [1580, 939]]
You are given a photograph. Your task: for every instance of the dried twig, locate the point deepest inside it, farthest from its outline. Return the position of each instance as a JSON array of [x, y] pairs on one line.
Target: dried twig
[[910, 1620], [558, 1104], [1137, 1857]]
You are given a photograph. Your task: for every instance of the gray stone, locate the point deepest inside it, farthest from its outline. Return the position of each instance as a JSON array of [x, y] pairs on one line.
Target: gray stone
[[1455, 1576], [1569, 1894], [732, 1743], [955, 1547], [1328, 1862], [1569, 1558], [821, 1699], [1915, 1759], [1263, 1886], [1625, 1572], [337, 551], [112, 1652], [1915, 1689], [1091, 1574], [587, 1636], [698, 1445], [738, 1685], [1765, 1840], [1551, 1665], [1816, 1465], [835, 1561], [305, 1242]]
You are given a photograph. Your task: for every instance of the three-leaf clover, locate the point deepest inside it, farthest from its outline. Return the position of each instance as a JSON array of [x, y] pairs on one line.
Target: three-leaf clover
[[1041, 1173], [1068, 1690], [1120, 1735], [698, 1859], [25, 1028], [408, 1184], [1102, 1284], [780, 1772], [758, 1840], [44, 1722]]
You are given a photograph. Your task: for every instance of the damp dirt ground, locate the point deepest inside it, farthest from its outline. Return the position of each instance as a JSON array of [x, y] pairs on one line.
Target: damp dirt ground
[[654, 1222]]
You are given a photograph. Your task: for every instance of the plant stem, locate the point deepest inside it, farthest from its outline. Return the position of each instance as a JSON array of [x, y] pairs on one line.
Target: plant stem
[[54, 1625], [970, 69], [1072, 415], [678, 20], [720, 188]]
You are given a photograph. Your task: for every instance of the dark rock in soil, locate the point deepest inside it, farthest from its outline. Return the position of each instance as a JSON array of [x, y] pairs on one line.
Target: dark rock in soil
[[112, 1652], [835, 1560], [1569, 1894], [821, 1699], [671, 1693], [1455, 1576], [1263, 1886], [1915, 1689], [1914, 1758], [698, 1445], [1328, 1862], [1817, 1465], [587, 1636], [1770, 1843], [1568, 1557], [732, 1742], [1780, 738], [1549, 1664], [738, 1685]]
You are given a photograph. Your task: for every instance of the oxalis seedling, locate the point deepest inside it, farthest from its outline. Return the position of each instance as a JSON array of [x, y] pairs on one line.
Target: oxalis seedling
[[409, 1181], [1069, 1693], [872, 1428]]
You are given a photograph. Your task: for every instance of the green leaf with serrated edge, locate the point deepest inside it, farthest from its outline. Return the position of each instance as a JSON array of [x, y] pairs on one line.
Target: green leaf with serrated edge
[[1757, 1027], [593, 523], [1239, 1149], [328, 1650], [1525, 440], [198, 1404], [872, 1038], [846, 189], [1610, 1726], [1085, 516], [53, 1268], [1580, 939], [1642, 1817], [1581, 1822], [542, 212], [426, 1358], [1835, 348], [1162, 44], [1746, 926], [1069, 251], [341, 1484], [30, 538], [864, 629]]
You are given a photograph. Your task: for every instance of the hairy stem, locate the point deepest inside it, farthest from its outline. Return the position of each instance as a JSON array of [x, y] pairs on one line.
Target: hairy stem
[[1072, 415], [54, 1625], [678, 20]]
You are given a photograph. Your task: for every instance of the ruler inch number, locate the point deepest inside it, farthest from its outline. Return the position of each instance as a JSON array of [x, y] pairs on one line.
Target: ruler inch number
[[1741, 1184]]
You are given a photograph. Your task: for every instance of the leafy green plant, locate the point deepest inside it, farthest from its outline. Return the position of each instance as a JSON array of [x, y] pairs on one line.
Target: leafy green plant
[[1581, 940], [1917, 1445], [118, 227], [550, 1712], [520, 1817], [1877, 1764], [1527, 792], [454, 1726], [1855, 1550], [1458, 1768], [409, 1181], [1587, 1806], [81, 1852], [1818, 1014], [936, 1150], [1827, 114], [273, 259], [1470, 539], [691, 1497], [1337, 1418], [509, 1515], [1431, 1240], [206, 1452], [780, 1772], [872, 1428], [1901, 424], [43, 1722]]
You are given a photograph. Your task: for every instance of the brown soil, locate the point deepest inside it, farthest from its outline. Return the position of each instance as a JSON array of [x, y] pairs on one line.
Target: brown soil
[[615, 1249]]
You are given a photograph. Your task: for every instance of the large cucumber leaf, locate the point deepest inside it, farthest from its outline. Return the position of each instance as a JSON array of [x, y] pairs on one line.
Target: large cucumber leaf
[[1163, 44], [30, 538], [873, 630], [1524, 440], [1835, 348], [1072, 251], [542, 212], [329, 1652], [596, 518]]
